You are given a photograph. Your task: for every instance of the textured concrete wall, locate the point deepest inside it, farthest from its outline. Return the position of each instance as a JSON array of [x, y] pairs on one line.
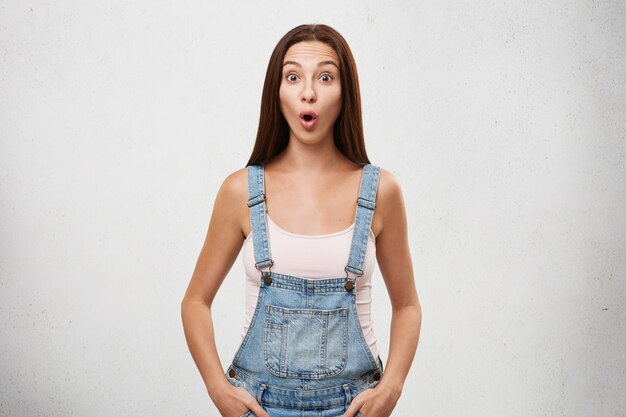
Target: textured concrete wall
[[504, 121]]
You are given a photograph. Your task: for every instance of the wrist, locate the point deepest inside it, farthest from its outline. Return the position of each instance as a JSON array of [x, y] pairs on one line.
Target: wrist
[[217, 386], [391, 386]]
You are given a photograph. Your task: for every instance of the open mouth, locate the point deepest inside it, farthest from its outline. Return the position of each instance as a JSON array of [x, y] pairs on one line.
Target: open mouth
[[308, 115], [308, 119]]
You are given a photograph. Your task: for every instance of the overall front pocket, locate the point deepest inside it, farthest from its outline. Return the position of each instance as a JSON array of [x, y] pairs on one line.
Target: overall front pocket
[[305, 343]]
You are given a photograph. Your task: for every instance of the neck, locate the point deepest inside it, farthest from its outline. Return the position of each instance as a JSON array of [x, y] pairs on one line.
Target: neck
[[311, 156]]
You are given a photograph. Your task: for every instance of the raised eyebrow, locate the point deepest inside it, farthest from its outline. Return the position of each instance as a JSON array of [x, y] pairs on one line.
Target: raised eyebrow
[[319, 63]]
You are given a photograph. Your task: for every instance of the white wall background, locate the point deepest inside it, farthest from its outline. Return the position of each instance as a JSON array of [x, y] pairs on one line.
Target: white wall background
[[504, 121]]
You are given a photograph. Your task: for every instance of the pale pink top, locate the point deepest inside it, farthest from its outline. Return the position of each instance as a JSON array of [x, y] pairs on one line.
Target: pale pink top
[[313, 257]]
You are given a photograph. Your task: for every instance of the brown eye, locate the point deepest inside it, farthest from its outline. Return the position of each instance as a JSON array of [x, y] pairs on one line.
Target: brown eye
[[327, 77], [292, 77]]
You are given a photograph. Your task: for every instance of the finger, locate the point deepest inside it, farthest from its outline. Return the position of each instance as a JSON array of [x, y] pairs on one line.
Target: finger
[[258, 410], [352, 409], [357, 402]]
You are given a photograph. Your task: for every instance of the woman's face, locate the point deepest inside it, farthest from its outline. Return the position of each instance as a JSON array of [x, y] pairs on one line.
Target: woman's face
[[310, 90]]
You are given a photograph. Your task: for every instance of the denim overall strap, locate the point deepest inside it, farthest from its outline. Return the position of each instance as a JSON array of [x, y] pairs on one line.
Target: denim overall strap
[[256, 203], [366, 203]]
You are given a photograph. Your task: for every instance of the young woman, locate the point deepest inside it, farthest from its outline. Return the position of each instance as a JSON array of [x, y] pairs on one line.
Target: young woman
[[313, 215]]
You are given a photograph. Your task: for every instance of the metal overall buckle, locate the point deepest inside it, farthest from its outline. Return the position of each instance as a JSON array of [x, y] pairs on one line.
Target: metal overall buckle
[[266, 275], [350, 283]]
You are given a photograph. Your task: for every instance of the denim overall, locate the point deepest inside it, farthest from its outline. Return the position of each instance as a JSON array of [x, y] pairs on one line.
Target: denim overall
[[304, 354]]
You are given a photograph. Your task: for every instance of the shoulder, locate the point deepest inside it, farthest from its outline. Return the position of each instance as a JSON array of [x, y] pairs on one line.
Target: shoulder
[[389, 199], [389, 188], [232, 198], [234, 190]]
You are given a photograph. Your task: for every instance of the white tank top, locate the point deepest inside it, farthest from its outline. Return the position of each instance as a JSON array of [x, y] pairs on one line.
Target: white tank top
[[313, 257]]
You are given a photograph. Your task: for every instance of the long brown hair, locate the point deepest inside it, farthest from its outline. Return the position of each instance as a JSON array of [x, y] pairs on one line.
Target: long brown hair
[[273, 132]]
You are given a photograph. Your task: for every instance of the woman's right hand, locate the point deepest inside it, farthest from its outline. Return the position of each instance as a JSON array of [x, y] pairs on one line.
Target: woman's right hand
[[236, 401]]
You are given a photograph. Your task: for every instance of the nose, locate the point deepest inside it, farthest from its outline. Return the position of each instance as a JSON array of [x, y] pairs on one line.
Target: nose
[[308, 93]]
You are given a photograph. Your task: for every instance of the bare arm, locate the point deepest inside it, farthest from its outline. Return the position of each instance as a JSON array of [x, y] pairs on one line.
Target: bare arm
[[396, 266], [221, 247], [394, 260]]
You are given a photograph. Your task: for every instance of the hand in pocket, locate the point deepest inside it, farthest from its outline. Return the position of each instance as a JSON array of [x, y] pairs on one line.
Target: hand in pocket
[[237, 402]]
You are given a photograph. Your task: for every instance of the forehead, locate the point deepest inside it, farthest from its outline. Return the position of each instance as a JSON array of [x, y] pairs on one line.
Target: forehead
[[311, 50]]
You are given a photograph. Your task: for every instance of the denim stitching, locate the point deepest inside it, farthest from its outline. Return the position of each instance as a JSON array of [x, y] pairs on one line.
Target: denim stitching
[[249, 334], [361, 335], [283, 369]]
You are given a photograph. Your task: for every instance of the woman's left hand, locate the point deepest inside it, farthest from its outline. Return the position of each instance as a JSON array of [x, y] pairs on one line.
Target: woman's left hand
[[373, 402]]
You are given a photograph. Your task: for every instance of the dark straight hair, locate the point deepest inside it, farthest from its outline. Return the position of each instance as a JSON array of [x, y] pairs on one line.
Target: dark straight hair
[[273, 132]]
